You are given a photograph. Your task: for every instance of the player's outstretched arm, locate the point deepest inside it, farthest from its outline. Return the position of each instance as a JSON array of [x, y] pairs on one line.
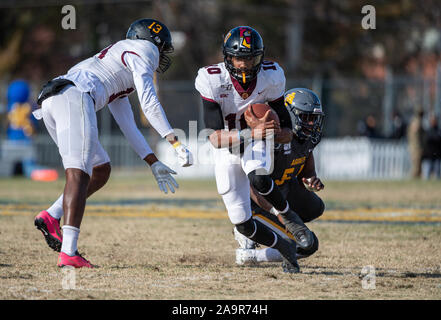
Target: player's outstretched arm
[[143, 78], [123, 115], [121, 111]]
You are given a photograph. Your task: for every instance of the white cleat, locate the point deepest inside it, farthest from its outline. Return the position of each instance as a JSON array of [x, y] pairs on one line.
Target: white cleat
[[244, 242], [246, 257]]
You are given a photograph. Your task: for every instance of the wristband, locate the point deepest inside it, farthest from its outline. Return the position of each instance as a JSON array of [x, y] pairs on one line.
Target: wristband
[[176, 144]]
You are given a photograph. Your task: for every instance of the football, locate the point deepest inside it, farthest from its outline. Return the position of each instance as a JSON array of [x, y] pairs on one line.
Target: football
[[260, 109]]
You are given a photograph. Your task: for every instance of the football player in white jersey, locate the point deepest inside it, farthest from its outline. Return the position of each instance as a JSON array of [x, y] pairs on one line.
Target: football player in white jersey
[[294, 173], [227, 89], [68, 107]]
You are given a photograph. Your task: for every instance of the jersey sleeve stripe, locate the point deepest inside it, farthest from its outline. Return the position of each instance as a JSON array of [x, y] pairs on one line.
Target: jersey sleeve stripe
[[208, 99], [122, 56]]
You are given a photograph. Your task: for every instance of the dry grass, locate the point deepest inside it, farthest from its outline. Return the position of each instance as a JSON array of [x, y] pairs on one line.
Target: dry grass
[[193, 257], [170, 258]]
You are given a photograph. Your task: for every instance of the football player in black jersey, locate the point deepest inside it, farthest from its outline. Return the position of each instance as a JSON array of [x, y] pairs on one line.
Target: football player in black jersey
[[294, 173]]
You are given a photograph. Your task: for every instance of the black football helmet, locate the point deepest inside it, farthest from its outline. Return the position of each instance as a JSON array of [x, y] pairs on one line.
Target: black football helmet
[[157, 33], [244, 42], [306, 114]]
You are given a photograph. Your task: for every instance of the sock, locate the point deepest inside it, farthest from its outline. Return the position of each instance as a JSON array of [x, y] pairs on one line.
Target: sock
[[56, 210], [258, 232], [268, 255], [70, 240], [266, 187], [276, 198]]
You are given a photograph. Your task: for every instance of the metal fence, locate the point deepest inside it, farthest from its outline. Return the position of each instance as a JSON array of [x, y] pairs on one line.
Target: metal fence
[[361, 158], [350, 158]]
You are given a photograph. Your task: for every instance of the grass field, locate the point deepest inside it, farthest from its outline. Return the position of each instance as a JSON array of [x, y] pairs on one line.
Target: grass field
[[154, 246]]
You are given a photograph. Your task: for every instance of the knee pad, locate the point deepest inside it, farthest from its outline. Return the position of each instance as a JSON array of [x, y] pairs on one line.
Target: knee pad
[[262, 183], [247, 228]]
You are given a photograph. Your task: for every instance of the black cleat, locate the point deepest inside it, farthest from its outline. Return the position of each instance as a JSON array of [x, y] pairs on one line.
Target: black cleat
[[294, 224], [288, 267], [287, 248], [302, 253]]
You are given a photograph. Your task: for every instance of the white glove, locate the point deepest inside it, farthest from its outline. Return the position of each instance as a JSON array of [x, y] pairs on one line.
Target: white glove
[[163, 176], [185, 158]]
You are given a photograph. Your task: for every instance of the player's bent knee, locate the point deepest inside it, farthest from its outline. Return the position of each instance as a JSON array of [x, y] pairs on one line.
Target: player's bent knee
[[262, 183], [320, 211], [77, 176], [246, 228], [314, 214], [102, 173]]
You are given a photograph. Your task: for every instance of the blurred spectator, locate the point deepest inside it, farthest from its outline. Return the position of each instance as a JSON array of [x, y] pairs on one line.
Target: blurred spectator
[[431, 150], [368, 127], [398, 126], [415, 141], [21, 122], [17, 152]]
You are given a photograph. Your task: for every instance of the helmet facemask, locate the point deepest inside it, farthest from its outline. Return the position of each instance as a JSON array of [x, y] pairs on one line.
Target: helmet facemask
[[164, 60], [308, 125], [244, 75]]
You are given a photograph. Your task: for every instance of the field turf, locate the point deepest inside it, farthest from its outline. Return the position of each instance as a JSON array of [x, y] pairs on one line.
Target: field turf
[[180, 246]]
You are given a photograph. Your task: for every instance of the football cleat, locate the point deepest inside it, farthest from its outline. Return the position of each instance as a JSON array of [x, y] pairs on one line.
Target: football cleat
[[50, 227], [288, 248], [289, 267], [76, 261], [294, 224], [244, 242], [246, 257]]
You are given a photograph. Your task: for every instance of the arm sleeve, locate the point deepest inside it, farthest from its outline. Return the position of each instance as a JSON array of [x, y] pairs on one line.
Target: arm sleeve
[[212, 115], [122, 113], [284, 117], [143, 78]]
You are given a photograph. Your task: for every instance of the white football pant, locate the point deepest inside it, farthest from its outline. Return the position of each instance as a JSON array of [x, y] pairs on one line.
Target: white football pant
[[231, 177], [70, 119]]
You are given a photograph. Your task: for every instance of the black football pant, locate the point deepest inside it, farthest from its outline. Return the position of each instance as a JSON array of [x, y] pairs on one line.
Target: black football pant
[[305, 203]]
